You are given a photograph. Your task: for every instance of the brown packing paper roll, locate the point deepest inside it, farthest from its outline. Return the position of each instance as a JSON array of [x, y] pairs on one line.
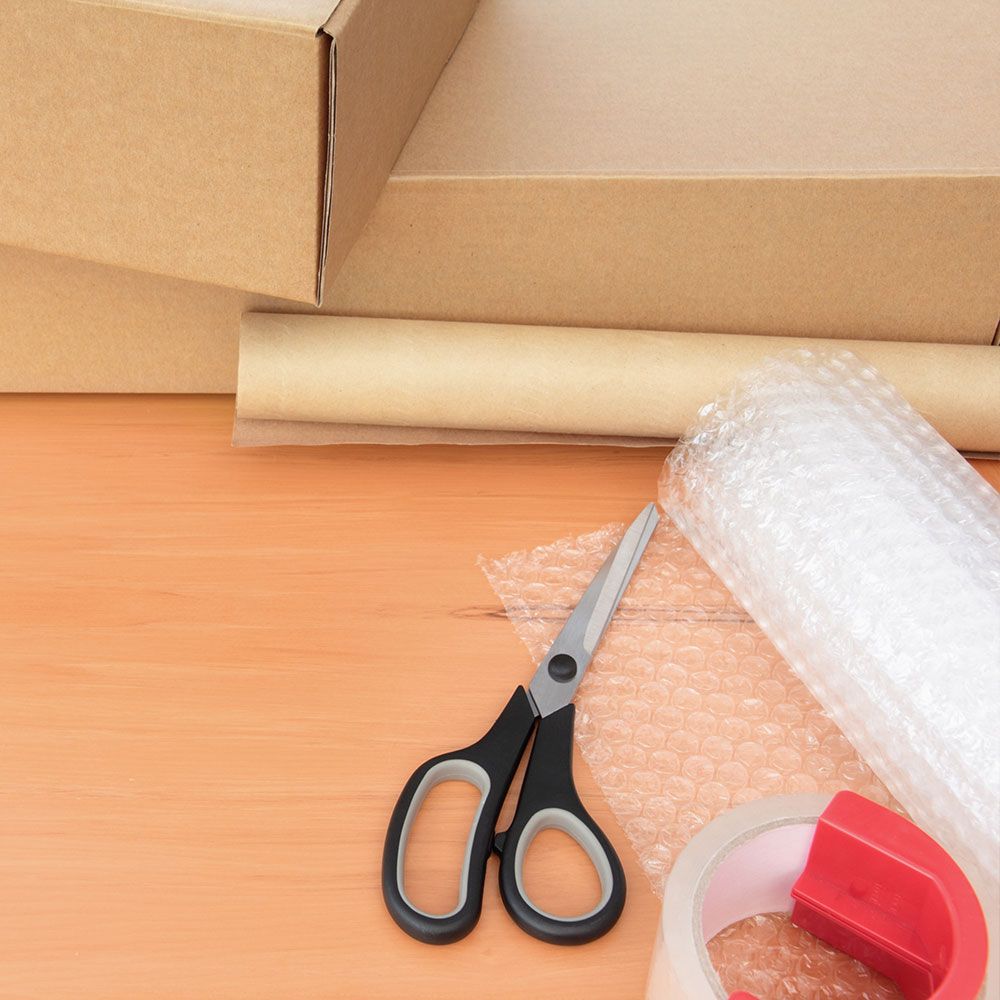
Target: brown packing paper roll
[[320, 379]]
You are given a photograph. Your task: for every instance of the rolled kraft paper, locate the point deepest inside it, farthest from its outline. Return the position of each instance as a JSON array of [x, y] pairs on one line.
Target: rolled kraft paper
[[500, 383]]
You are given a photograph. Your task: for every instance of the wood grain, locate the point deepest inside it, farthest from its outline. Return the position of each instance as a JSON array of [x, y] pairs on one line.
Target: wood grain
[[217, 668]]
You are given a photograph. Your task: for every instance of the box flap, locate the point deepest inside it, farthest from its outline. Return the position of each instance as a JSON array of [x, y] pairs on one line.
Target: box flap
[[699, 87]]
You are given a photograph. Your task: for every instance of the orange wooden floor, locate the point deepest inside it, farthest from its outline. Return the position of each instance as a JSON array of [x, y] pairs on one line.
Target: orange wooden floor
[[217, 668]]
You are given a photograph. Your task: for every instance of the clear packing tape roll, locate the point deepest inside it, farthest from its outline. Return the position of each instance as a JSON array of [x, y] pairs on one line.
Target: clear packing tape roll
[[869, 552], [845, 868], [743, 863]]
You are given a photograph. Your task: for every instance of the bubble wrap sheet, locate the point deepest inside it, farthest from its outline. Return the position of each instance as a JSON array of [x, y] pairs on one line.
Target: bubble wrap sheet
[[869, 552], [686, 710]]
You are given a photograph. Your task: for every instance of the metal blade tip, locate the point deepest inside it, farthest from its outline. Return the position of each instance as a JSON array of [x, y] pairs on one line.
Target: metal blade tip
[[647, 518]]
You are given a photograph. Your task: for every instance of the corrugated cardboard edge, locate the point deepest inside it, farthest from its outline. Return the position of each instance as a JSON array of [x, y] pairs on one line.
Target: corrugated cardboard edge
[[329, 29], [378, 59], [337, 22], [331, 146]]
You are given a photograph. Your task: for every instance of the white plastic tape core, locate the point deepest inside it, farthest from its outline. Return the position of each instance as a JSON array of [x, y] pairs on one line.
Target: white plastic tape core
[[741, 864]]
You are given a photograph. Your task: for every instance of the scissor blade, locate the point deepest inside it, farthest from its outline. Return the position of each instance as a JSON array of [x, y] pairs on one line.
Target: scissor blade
[[561, 670]]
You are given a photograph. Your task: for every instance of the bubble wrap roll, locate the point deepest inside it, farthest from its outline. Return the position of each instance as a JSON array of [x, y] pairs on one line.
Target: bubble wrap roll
[[869, 553]]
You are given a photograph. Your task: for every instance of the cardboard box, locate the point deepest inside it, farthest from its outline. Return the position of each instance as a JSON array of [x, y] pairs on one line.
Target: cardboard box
[[806, 170], [236, 142]]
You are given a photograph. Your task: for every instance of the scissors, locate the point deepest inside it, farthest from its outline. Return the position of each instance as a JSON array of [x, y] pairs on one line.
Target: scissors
[[548, 797]]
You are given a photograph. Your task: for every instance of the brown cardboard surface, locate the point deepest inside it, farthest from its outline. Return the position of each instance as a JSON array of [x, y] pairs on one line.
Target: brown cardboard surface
[[696, 87], [389, 54], [883, 258], [195, 139], [800, 169], [75, 326], [305, 371], [577, 165]]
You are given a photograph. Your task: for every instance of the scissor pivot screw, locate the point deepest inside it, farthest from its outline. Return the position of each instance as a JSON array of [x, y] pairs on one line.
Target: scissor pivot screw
[[562, 667]]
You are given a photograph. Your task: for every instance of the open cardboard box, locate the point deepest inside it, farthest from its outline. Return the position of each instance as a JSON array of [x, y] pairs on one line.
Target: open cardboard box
[[240, 143], [805, 170]]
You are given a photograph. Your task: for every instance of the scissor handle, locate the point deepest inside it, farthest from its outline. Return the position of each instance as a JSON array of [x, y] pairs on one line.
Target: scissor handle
[[549, 800], [489, 765]]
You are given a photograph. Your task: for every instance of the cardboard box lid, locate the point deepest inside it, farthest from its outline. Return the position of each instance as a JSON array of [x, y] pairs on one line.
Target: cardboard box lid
[[235, 142], [710, 87]]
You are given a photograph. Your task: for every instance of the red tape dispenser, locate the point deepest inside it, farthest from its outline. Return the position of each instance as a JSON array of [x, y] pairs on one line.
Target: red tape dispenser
[[857, 875], [880, 889]]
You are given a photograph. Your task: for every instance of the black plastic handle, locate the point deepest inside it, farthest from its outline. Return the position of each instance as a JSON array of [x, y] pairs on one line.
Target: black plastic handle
[[549, 800], [488, 764]]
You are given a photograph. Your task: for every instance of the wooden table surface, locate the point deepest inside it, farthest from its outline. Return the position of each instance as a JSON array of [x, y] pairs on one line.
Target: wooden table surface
[[218, 666]]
